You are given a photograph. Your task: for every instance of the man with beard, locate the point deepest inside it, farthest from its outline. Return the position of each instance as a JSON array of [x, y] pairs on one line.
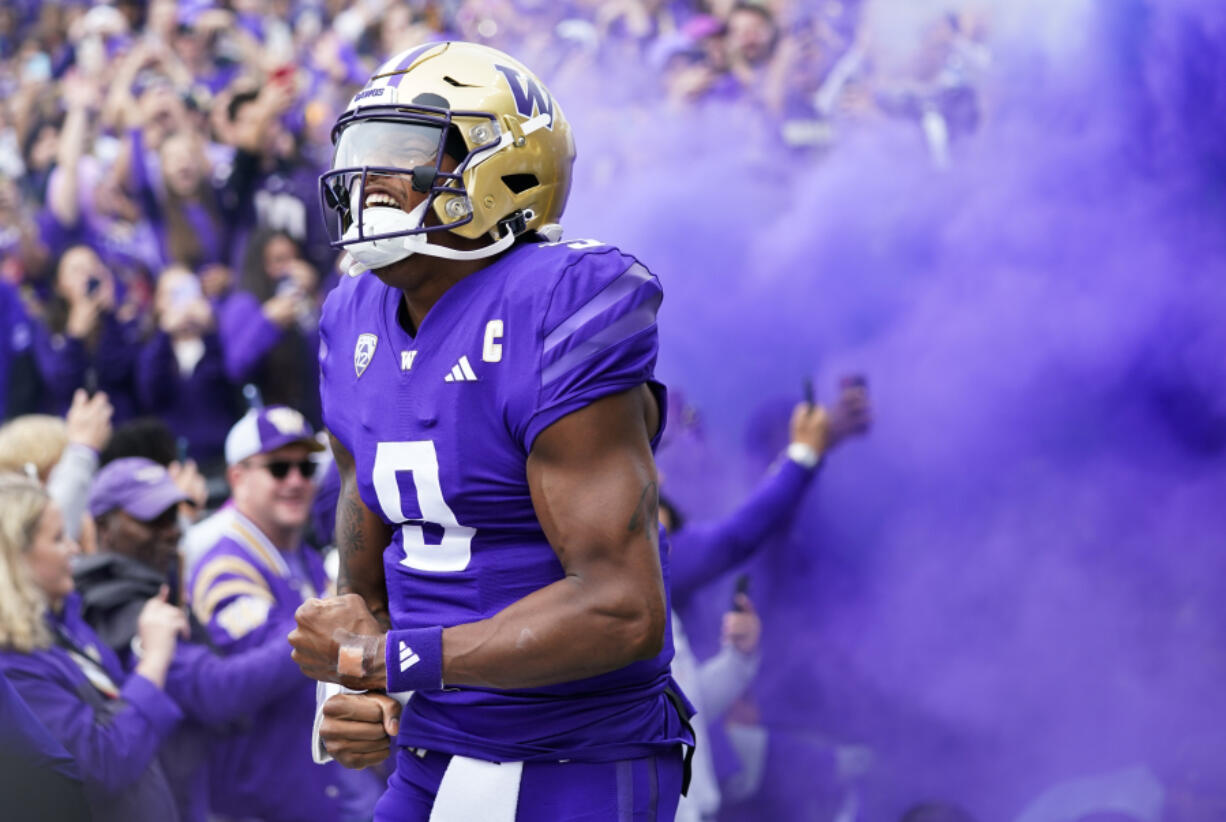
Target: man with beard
[[135, 503]]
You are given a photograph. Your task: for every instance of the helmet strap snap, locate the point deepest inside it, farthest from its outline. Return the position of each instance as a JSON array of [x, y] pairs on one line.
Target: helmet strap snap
[[516, 223]]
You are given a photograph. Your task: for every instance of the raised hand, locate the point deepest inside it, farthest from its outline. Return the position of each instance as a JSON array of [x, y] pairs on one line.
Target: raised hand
[[852, 412], [89, 419], [742, 629]]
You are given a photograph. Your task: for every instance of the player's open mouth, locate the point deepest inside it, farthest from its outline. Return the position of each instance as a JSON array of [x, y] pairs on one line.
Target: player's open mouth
[[379, 198]]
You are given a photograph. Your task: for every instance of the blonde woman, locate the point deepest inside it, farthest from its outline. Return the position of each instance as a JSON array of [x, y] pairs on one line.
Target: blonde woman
[[61, 451], [112, 725]]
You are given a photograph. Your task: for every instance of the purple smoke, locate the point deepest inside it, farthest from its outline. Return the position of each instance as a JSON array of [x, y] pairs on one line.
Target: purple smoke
[[1013, 581]]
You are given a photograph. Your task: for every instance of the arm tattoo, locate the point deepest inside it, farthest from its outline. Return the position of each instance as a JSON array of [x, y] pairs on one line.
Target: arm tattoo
[[646, 513], [350, 534], [350, 525], [351, 542]]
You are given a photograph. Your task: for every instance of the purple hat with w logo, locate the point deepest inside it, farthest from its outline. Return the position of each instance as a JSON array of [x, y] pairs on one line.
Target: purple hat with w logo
[[267, 429]]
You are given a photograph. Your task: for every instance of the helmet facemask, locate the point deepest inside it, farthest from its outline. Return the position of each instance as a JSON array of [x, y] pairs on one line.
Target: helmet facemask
[[380, 143]]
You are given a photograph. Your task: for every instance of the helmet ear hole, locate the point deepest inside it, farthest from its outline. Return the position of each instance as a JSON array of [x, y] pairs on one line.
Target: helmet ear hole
[[454, 146], [519, 183]]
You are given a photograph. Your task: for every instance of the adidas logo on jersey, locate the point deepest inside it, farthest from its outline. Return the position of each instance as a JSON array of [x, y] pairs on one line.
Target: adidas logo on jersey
[[407, 657], [462, 371]]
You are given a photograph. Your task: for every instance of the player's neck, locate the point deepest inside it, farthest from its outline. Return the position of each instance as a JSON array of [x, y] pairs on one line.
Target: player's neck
[[418, 301], [423, 281]]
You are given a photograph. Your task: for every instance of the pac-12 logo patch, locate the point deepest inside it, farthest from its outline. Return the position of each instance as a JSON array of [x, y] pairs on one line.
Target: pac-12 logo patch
[[364, 352]]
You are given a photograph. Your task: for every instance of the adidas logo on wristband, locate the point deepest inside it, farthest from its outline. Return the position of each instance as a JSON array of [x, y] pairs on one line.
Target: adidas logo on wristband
[[407, 658]]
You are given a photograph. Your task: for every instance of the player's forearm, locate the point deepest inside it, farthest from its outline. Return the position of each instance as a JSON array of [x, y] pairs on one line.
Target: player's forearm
[[360, 539], [568, 630], [571, 629]]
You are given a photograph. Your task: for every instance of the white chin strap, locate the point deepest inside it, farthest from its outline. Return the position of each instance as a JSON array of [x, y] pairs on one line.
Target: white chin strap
[[371, 254]]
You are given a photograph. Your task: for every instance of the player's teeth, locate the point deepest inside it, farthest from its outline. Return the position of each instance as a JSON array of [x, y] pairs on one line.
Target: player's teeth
[[379, 200]]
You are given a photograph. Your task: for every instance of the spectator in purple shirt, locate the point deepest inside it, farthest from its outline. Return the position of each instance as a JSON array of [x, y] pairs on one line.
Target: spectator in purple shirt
[[181, 372], [85, 202], [86, 340], [136, 503], [271, 326], [112, 724], [38, 778], [39, 148], [180, 201], [207, 37], [703, 553], [18, 386], [751, 38], [23, 252], [273, 185]]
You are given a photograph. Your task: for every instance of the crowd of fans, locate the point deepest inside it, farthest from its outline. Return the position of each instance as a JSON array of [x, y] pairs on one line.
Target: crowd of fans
[[160, 238], [162, 268]]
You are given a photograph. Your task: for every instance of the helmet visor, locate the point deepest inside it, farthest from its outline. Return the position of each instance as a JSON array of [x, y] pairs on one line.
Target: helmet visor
[[388, 144]]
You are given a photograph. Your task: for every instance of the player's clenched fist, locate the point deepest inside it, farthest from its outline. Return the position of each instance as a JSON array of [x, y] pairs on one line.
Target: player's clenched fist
[[337, 640], [358, 729]]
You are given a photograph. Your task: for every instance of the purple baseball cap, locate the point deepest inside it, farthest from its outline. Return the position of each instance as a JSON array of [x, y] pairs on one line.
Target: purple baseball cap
[[267, 429], [138, 486]]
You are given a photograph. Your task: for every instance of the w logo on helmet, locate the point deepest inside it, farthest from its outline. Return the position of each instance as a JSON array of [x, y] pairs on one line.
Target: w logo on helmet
[[530, 97]]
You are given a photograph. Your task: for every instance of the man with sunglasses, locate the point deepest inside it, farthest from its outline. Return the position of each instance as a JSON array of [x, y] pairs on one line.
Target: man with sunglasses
[[135, 503], [245, 589]]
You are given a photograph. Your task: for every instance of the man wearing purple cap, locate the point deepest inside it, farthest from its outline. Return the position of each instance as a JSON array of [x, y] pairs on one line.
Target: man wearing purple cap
[[245, 589], [135, 503]]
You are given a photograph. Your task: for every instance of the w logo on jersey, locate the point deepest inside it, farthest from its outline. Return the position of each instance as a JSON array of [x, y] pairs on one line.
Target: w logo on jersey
[[364, 352], [530, 97]]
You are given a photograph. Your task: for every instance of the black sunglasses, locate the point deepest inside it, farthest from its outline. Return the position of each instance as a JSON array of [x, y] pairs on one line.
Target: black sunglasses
[[280, 468]]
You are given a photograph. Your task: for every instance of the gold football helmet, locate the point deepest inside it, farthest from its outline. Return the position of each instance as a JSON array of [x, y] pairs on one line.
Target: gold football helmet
[[507, 135]]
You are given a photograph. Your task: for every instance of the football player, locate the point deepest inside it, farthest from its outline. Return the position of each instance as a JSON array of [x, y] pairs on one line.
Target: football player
[[489, 392]]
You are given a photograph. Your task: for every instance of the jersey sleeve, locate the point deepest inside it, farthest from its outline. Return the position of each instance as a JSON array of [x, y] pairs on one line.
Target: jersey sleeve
[[597, 336], [231, 598]]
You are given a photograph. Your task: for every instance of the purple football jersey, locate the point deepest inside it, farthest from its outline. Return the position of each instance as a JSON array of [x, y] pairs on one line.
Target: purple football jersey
[[440, 426]]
